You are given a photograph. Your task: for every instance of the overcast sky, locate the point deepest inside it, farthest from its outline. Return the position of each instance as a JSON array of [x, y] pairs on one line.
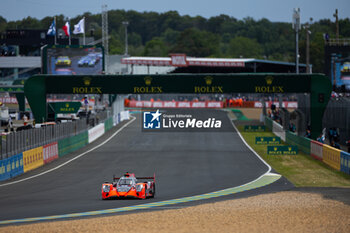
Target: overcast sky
[[274, 10]]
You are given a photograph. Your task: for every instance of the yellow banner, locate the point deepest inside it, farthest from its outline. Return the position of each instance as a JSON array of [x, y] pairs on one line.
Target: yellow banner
[[331, 156], [33, 158]]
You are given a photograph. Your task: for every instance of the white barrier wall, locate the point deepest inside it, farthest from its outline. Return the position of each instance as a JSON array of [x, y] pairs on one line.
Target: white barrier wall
[[124, 115], [96, 132], [277, 129], [118, 104], [316, 150]]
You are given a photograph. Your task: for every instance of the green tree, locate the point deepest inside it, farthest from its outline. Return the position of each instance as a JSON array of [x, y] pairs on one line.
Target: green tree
[[3, 24], [115, 46], [317, 53], [244, 47], [155, 48], [197, 43], [170, 36], [134, 39]]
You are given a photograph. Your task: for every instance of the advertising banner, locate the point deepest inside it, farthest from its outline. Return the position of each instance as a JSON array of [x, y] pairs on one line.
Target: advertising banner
[[16, 164], [345, 162], [285, 104], [302, 142], [175, 104], [50, 152], [282, 150], [254, 128], [331, 156], [11, 167], [267, 140], [70, 144], [96, 132], [33, 159], [316, 150]]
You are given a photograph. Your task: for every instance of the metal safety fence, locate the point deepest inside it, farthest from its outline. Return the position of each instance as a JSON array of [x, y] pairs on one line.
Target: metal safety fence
[[17, 142]]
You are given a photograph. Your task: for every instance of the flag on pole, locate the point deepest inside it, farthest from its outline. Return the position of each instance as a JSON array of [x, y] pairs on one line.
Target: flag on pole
[[80, 27], [66, 29], [52, 29]]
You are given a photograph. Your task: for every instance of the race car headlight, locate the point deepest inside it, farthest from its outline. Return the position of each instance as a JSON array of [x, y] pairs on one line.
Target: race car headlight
[[139, 188], [106, 188]]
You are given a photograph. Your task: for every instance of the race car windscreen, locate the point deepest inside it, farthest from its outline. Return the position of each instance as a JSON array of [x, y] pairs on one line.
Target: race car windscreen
[[125, 182]]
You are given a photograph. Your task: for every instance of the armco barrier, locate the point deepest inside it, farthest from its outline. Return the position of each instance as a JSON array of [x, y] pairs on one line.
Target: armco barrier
[[316, 149], [302, 143], [73, 143], [50, 152], [33, 159], [331, 156], [345, 162], [11, 167], [96, 132], [277, 129]]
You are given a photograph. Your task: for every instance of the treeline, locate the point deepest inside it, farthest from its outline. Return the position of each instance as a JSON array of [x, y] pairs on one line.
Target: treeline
[[158, 34]]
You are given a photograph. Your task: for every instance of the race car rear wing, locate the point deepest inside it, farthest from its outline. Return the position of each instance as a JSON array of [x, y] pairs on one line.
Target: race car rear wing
[[148, 178], [140, 178]]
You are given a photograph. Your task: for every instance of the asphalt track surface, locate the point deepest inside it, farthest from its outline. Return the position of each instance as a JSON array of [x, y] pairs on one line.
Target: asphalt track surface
[[185, 164]]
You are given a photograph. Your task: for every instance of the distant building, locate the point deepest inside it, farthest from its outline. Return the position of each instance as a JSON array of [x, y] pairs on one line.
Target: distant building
[[180, 63]]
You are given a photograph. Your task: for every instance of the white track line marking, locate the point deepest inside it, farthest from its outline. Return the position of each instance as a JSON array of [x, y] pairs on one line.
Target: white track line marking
[[257, 155], [71, 160]]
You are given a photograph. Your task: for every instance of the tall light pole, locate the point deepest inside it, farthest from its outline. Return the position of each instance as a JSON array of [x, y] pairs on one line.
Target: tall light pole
[[105, 35], [308, 32], [336, 24], [126, 23], [296, 27]]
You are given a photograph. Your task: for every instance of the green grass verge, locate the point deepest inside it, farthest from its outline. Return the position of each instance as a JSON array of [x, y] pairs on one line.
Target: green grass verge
[[302, 170]]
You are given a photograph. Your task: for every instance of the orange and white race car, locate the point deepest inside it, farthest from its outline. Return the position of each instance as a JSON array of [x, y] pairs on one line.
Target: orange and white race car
[[128, 186]]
